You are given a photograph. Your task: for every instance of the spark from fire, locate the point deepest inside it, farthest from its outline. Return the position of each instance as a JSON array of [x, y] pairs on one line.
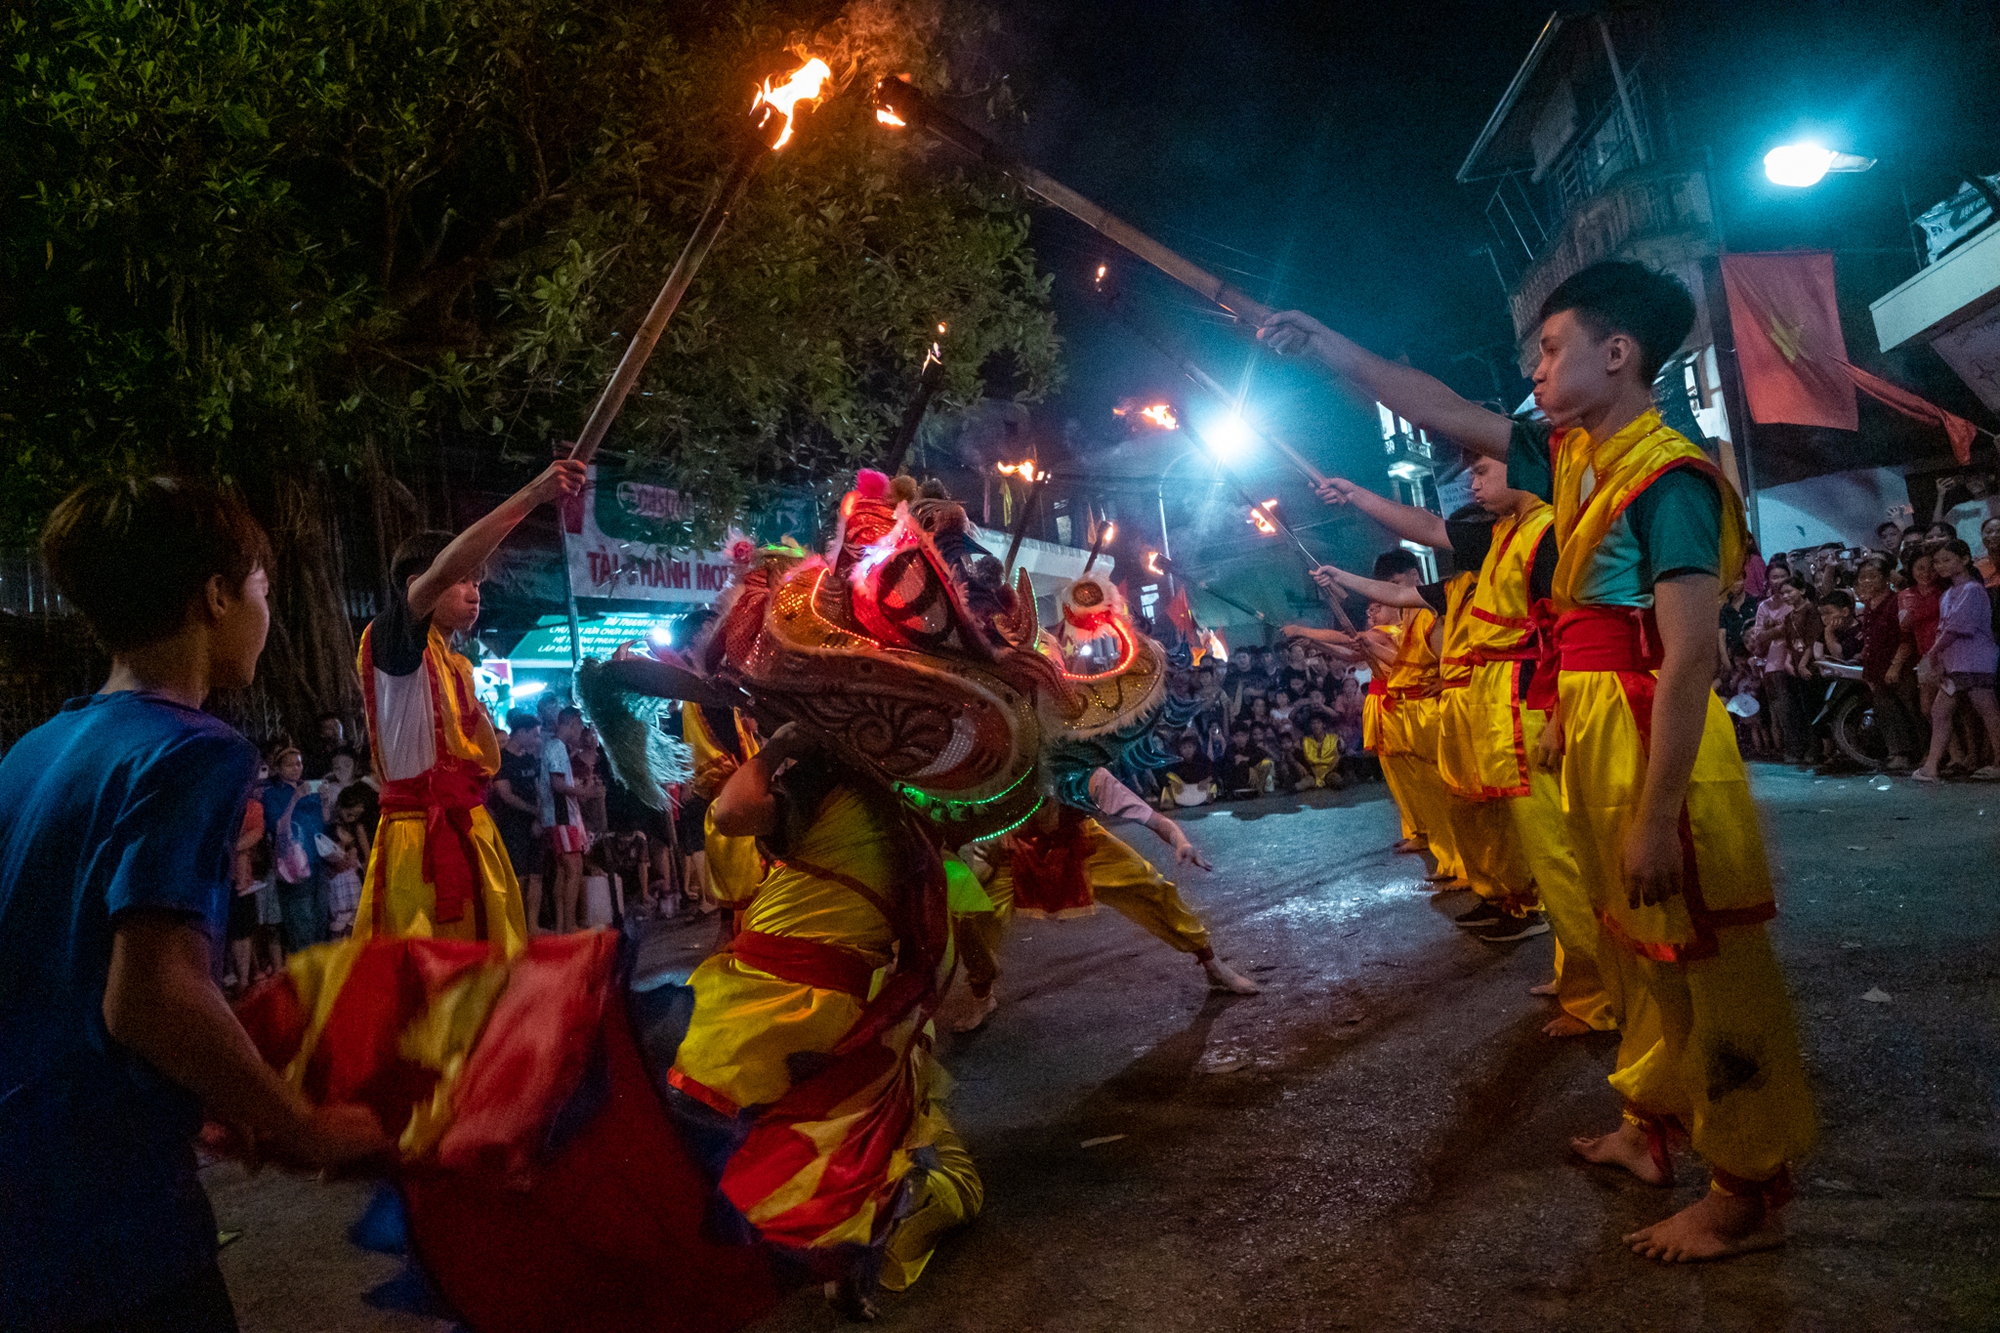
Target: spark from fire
[[802, 86], [1025, 470]]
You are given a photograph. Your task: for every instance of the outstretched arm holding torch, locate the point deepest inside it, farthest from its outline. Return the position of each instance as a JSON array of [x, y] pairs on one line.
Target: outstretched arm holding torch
[[1408, 392]]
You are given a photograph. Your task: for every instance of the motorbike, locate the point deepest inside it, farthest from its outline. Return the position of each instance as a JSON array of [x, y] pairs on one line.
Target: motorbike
[[1849, 715]]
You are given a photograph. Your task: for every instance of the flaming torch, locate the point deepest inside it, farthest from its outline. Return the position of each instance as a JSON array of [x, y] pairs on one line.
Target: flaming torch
[[1104, 534], [769, 128], [899, 104], [928, 380], [1035, 477]]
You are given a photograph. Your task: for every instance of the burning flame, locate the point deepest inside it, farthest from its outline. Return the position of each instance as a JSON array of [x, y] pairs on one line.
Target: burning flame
[[802, 86], [936, 354], [1153, 563], [1105, 534], [1162, 415], [1217, 649], [890, 118], [1260, 518], [1025, 470]]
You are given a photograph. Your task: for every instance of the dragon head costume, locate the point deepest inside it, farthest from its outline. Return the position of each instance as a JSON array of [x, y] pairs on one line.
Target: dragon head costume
[[902, 652]]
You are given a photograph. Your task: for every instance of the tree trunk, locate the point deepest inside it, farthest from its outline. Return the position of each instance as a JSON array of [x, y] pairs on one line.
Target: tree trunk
[[309, 661]]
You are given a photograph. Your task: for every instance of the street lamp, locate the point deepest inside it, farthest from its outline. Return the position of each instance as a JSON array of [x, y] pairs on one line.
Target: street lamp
[[1805, 164], [1226, 436]]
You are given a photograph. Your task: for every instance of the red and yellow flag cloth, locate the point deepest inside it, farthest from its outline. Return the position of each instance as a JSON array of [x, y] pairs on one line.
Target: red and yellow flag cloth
[[1794, 357], [545, 1187]]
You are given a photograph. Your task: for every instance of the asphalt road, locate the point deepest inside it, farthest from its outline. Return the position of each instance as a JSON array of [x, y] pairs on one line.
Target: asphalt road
[[1377, 1141]]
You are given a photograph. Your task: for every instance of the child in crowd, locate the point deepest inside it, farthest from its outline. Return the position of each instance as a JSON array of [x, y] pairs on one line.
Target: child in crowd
[[1190, 780], [1246, 767], [1963, 658], [1319, 753], [355, 814]]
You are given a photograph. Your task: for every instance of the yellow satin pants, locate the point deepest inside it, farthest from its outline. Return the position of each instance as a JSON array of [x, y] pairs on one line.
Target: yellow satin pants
[[1422, 795], [1543, 836], [952, 1195], [1712, 1043], [409, 903], [1120, 878]]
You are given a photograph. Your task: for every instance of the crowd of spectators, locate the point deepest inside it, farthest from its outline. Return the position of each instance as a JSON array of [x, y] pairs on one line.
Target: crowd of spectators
[[1263, 721], [1911, 619], [565, 822]]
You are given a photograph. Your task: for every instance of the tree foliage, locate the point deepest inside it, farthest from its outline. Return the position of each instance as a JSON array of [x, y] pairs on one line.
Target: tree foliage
[[294, 239]]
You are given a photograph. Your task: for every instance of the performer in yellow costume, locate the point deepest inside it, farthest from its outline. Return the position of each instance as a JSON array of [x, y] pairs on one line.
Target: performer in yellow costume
[[813, 1022], [1062, 863], [437, 866], [1401, 657], [1410, 713], [734, 866], [1659, 809], [1492, 725]]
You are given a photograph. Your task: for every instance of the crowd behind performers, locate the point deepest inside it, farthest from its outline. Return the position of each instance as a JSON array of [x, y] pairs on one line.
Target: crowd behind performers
[[1914, 609], [1263, 721], [1288, 719], [585, 851]]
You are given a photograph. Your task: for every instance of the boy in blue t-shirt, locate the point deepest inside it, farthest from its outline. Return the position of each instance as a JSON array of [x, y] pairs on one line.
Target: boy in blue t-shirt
[[118, 821]]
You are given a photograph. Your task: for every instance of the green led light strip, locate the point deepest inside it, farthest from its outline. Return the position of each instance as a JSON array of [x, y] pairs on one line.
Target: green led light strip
[[925, 801]]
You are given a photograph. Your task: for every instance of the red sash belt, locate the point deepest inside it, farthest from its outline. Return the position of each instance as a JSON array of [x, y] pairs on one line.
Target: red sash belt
[[445, 796], [1050, 869], [805, 962], [1608, 638]]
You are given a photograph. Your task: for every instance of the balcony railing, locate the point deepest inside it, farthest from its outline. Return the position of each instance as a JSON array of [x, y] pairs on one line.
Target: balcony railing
[[1661, 208]]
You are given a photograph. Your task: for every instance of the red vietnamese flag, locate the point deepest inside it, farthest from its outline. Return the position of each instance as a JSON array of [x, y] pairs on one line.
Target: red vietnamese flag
[[1788, 339], [1178, 610]]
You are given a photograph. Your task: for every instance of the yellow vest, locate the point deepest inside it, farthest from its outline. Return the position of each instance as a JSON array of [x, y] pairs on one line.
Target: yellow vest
[[1412, 676], [1482, 751], [1618, 470]]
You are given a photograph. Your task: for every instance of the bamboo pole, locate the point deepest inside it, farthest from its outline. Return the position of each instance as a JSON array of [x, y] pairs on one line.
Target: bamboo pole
[[900, 103]]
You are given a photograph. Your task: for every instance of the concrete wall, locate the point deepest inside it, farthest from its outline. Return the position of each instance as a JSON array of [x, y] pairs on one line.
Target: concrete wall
[[1846, 507], [1841, 507]]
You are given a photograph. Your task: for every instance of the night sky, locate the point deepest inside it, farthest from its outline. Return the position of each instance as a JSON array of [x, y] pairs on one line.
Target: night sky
[[1306, 151]]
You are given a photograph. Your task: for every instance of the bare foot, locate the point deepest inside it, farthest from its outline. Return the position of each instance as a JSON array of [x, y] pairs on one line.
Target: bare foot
[[1223, 977], [1625, 1147], [1562, 1025], [983, 1007], [1715, 1226], [1439, 876], [1408, 846], [1546, 988]]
